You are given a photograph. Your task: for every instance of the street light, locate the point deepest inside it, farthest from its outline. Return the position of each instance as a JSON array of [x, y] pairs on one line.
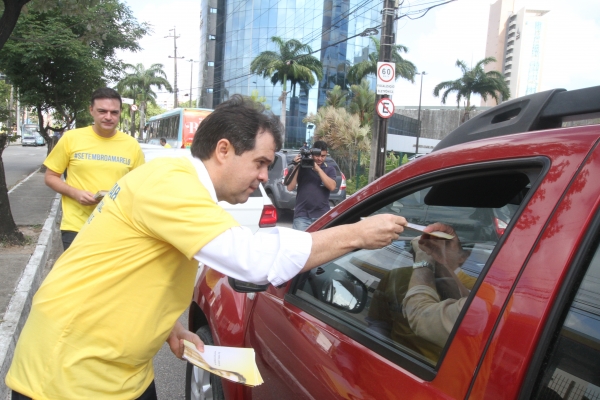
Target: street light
[[419, 112]]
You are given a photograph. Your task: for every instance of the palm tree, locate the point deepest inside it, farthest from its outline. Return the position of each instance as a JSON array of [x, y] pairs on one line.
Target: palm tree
[[404, 68], [141, 81], [292, 62], [363, 103], [336, 97], [475, 81]]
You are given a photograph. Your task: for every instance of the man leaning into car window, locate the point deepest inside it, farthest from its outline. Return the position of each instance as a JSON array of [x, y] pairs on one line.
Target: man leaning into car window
[[314, 186], [109, 303]]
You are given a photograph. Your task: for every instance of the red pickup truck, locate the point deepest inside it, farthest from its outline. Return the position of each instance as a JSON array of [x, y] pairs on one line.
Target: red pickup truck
[[518, 187]]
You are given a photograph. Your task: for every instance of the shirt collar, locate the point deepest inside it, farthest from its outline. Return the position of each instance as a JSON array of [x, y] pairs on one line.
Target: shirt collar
[[204, 176]]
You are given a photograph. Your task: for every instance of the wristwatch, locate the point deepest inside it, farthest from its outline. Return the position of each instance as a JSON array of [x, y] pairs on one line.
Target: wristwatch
[[424, 264]]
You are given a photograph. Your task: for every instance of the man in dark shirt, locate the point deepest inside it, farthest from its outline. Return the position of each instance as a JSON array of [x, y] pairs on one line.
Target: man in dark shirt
[[314, 186]]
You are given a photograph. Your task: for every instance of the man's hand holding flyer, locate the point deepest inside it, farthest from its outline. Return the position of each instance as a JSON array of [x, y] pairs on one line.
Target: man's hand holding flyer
[[234, 363]]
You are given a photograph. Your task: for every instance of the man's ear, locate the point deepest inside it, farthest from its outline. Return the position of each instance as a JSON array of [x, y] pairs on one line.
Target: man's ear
[[223, 150]]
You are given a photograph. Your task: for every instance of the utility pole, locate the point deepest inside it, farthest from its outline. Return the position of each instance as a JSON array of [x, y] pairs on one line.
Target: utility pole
[[174, 36], [379, 141], [191, 75], [419, 113]]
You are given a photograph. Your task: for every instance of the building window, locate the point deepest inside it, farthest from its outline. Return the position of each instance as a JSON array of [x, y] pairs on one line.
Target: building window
[[209, 90], [212, 37], [210, 63], [213, 10], [506, 75]]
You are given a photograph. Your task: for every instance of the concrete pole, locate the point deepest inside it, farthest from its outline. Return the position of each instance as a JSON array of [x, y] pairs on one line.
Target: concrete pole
[[175, 102], [419, 113], [379, 140]]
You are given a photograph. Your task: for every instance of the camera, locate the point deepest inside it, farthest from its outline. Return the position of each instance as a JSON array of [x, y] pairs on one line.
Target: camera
[[307, 160]]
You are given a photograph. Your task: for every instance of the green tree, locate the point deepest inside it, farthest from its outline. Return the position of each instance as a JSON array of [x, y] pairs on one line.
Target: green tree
[[363, 103], [56, 59], [56, 62], [9, 233], [292, 62], [257, 98], [336, 97], [404, 68], [343, 133], [474, 81], [11, 10], [141, 81]]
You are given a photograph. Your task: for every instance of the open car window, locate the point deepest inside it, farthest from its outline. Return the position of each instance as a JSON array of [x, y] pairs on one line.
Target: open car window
[[371, 290]]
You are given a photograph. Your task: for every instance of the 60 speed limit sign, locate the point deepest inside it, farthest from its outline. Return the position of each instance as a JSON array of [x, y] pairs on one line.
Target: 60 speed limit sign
[[385, 108], [386, 78]]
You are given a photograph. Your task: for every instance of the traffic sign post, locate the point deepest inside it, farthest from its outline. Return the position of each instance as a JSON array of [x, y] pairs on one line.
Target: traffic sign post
[[385, 108], [386, 78], [133, 107]]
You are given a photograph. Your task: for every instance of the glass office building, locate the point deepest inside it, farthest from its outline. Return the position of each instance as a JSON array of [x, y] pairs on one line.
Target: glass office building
[[234, 32]]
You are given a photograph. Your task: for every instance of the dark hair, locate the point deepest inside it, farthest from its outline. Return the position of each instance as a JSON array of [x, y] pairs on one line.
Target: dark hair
[[162, 139], [319, 144], [106, 93], [238, 120]]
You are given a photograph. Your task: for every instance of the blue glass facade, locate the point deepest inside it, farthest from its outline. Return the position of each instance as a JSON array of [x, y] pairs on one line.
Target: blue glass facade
[[244, 29]]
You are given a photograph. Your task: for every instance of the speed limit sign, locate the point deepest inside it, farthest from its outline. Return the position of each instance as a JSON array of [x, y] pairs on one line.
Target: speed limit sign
[[386, 78]]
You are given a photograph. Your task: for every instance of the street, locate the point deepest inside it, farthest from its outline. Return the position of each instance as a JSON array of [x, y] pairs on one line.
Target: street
[[21, 161]]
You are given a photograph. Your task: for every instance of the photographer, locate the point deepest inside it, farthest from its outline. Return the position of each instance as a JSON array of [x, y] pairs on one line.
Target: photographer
[[315, 180]]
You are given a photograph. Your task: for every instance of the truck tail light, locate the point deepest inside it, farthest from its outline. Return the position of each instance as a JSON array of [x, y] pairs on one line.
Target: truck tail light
[[343, 184], [268, 217], [500, 226]]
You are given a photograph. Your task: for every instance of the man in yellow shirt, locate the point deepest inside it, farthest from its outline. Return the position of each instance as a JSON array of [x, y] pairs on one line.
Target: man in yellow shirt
[[96, 156], [109, 303], [163, 143]]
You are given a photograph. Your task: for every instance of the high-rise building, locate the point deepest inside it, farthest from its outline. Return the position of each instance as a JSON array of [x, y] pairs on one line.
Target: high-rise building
[[234, 32], [516, 31]]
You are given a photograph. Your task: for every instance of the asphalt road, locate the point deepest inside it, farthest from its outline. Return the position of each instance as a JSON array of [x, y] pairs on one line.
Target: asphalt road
[[21, 161]]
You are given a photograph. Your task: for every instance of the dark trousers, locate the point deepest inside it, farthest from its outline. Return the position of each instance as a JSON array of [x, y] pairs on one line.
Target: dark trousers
[[67, 238], [149, 394]]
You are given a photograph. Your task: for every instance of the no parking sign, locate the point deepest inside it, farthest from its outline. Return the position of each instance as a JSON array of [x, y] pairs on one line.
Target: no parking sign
[[385, 108]]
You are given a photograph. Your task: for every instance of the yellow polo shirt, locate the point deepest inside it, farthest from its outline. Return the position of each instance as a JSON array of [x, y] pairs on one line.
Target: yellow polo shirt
[[110, 302], [93, 163]]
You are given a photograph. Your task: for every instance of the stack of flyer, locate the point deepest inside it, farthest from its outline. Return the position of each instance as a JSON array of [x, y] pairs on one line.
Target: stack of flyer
[[234, 363]]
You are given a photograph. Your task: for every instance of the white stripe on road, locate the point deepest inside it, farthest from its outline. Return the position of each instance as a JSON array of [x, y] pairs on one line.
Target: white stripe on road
[[24, 180]]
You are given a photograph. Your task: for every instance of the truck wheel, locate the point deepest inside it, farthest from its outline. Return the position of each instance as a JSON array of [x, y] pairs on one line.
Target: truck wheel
[[201, 384]]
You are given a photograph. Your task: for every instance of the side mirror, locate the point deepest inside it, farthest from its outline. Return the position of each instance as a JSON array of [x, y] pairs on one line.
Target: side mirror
[[246, 287], [337, 287]]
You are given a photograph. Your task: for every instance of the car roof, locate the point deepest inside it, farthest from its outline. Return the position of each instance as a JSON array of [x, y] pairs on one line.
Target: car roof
[[538, 111]]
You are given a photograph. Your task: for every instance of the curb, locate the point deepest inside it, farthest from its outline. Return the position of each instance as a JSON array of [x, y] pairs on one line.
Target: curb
[[20, 303]]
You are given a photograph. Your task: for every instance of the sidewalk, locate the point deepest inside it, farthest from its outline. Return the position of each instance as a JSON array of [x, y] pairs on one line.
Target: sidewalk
[[32, 204]]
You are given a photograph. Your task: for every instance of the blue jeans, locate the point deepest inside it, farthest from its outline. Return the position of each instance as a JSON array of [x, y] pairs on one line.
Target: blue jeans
[[302, 223]]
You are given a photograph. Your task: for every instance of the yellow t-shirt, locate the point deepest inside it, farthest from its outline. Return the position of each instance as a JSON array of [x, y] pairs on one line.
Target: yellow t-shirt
[[167, 146], [110, 302], [94, 163]]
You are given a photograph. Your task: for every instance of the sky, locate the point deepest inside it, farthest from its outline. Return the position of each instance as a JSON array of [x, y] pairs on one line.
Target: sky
[[453, 31]]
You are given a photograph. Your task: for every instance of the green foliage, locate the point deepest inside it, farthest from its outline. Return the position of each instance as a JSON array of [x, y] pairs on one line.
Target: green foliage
[[292, 62], [404, 68], [154, 109], [336, 97], [138, 83], [255, 97], [56, 61], [404, 159], [475, 81], [363, 103]]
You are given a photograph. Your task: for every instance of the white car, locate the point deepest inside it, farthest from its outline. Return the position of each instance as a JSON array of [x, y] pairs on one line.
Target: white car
[[256, 213]]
